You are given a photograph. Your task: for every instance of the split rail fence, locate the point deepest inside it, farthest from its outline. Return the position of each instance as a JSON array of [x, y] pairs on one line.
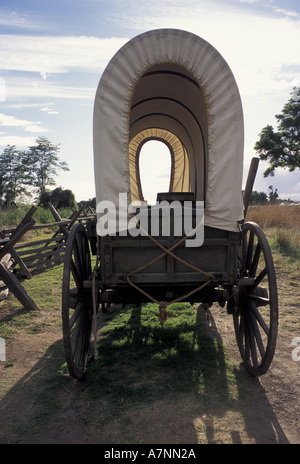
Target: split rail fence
[[24, 258]]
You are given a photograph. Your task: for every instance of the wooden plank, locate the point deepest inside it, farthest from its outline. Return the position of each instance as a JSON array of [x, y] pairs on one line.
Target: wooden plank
[[17, 235], [63, 222], [65, 230], [47, 264], [18, 260], [26, 219], [41, 256], [4, 291], [74, 217], [16, 288], [57, 217], [41, 226], [45, 241], [34, 251]]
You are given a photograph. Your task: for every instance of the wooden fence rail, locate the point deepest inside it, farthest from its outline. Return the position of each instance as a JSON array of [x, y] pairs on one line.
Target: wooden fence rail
[[25, 258], [8, 278]]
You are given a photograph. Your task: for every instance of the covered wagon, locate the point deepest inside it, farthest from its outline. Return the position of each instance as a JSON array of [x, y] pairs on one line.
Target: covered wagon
[[194, 244]]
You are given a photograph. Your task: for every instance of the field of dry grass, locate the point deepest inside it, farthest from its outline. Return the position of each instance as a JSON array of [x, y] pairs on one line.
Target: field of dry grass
[[283, 225]]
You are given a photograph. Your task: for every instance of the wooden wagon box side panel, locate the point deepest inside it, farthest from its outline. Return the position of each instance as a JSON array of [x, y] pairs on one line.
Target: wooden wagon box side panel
[[212, 259], [124, 260], [123, 255]]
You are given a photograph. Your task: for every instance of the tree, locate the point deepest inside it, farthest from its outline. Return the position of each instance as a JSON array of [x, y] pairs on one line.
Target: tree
[[91, 203], [12, 175], [273, 195], [282, 148], [59, 197], [258, 198], [43, 162]]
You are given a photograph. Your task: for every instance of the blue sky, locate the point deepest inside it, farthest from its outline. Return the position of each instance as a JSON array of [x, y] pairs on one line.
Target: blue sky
[[52, 55]]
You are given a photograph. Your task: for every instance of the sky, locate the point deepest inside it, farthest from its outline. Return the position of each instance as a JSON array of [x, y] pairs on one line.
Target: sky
[[53, 52]]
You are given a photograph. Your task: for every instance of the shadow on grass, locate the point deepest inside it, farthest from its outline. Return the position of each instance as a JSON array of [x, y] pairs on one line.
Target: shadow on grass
[[152, 384]]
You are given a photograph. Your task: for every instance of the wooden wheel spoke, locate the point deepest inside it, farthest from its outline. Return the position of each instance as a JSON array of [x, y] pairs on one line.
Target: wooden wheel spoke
[[75, 336], [259, 317], [250, 250], [79, 336], [257, 334], [261, 276], [253, 267], [78, 259], [78, 311], [76, 275], [252, 344], [240, 331]]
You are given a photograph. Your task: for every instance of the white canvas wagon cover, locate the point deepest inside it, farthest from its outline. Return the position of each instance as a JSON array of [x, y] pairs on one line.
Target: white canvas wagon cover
[[173, 86]]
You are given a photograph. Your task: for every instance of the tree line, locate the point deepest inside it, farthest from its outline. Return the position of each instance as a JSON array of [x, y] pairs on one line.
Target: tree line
[[262, 198], [29, 172]]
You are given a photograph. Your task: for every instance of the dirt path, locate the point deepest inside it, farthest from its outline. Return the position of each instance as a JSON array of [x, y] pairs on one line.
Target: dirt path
[[264, 410]]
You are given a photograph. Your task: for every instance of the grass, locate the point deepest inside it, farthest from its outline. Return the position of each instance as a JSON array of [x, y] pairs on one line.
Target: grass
[[275, 215], [173, 358], [11, 217], [282, 223], [140, 362]]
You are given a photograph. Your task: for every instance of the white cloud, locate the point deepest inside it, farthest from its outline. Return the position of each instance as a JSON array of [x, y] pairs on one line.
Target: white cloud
[[29, 126], [14, 19], [17, 140], [49, 110], [292, 14], [257, 48], [23, 105], [56, 54], [18, 88], [45, 75]]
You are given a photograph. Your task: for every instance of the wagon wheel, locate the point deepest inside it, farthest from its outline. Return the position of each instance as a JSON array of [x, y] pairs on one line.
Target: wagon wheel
[[77, 306], [256, 315]]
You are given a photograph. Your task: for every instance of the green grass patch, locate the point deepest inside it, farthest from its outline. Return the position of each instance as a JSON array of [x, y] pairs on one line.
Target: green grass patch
[[141, 361], [11, 217]]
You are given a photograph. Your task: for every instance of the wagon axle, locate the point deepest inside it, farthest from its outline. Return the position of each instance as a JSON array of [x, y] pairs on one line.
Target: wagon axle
[[208, 296]]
